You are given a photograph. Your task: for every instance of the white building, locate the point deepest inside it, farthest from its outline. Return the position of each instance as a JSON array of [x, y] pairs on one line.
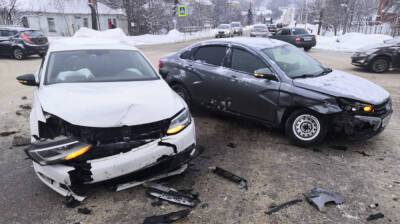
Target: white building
[[65, 17]]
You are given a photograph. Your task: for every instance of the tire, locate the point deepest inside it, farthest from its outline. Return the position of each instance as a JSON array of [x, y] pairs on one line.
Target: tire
[[379, 65], [18, 53], [183, 92], [298, 124], [307, 49], [42, 55]]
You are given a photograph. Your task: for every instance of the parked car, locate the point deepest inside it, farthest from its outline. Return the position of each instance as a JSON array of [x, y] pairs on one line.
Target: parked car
[[274, 83], [260, 30], [272, 28], [379, 57], [299, 37], [237, 28], [101, 113], [224, 30], [21, 42]]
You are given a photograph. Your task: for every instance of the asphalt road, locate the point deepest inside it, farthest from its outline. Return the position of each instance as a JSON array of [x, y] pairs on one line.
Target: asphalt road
[[276, 171]]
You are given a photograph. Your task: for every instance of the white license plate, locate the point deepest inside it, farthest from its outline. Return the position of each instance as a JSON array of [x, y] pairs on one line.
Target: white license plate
[[385, 121], [307, 39]]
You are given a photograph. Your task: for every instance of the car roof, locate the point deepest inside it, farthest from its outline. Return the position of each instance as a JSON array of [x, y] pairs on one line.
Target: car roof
[[83, 43], [256, 43], [16, 28]]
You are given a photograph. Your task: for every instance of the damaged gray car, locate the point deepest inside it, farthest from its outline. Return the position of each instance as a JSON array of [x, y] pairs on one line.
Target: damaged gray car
[[272, 82]]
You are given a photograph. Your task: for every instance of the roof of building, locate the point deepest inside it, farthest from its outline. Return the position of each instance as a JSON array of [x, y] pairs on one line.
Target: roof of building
[[62, 6]]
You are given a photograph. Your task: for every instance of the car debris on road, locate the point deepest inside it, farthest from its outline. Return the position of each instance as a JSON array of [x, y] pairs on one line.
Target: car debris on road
[[167, 218], [319, 197], [275, 208], [375, 216], [230, 176], [172, 195]]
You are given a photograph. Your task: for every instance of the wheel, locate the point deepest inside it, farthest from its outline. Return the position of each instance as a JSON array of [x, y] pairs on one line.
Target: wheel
[[18, 53], [305, 128], [379, 65], [183, 92], [42, 55], [307, 48]]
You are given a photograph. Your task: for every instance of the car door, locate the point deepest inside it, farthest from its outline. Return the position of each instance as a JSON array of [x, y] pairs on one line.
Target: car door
[[396, 56], [283, 35], [251, 96], [207, 66], [5, 42]]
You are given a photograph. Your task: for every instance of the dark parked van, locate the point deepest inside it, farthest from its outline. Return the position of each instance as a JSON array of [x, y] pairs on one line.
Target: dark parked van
[[20, 42]]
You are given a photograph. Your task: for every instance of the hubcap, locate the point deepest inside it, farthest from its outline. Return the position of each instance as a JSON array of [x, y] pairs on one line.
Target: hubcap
[[18, 53], [306, 127], [380, 65]]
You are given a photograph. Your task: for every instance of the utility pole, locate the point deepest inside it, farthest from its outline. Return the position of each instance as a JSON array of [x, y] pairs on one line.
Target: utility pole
[[175, 13], [321, 15], [93, 4]]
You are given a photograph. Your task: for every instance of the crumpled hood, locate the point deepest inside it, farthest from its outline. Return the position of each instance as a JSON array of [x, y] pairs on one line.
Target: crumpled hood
[[341, 84], [111, 104]]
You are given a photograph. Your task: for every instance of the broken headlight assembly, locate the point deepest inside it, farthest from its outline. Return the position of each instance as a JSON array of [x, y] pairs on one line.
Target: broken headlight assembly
[[180, 122], [57, 151], [355, 107]]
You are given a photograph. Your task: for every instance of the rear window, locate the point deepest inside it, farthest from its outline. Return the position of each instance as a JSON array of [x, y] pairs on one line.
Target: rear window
[[260, 27], [34, 33], [299, 31], [235, 24], [213, 55], [223, 26], [98, 66]]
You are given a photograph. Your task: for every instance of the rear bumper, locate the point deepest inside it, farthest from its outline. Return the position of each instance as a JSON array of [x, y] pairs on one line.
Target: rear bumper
[[223, 35], [306, 44], [35, 49], [138, 164]]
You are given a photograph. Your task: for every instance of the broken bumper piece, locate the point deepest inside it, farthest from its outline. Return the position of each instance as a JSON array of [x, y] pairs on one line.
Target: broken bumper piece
[[141, 163]]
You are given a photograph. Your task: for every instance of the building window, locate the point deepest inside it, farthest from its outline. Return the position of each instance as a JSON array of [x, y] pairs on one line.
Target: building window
[[85, 22], [115, 22], [51, 24]]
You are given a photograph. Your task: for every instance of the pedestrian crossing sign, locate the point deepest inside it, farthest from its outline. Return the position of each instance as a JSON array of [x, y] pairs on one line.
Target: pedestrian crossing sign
[[181, 11]]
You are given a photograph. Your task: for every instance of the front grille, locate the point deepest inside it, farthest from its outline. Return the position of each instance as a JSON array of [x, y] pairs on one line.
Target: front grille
[[120, 134], [383, 108]]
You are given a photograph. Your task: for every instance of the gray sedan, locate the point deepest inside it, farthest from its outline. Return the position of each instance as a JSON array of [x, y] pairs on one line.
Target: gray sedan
[[276, 84]]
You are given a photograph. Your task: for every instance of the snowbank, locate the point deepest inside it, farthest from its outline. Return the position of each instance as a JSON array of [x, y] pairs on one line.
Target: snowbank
[[350, 42], [172, 37]]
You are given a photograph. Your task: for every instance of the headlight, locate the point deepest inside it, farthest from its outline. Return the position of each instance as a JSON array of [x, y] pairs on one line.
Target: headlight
[[57, 151], [180, 122], [355, 107]]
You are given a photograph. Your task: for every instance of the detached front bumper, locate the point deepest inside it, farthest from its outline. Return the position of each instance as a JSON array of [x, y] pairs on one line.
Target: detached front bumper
[[359, 127], [157, 157], [36, 49]]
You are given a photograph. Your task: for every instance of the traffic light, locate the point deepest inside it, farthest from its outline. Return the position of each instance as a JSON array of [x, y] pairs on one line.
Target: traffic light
[[175, 8]]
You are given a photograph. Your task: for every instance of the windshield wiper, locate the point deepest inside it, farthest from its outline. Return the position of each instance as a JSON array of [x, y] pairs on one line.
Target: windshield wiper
[[303, 76], [324, 72]]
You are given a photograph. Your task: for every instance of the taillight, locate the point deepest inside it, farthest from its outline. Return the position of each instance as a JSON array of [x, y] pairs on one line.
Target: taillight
[[26, 38], [298, 40], [160, 64]]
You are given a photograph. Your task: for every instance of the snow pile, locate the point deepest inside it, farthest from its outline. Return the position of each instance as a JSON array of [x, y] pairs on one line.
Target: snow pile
[[173, 36], [350, 42], [113, 34]]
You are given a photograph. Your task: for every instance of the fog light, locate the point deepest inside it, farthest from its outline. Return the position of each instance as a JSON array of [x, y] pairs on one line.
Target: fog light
[[368, 109]]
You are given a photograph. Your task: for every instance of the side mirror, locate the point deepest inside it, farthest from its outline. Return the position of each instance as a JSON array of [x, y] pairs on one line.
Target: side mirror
[[265, 73], [163, 72], [28, 80]]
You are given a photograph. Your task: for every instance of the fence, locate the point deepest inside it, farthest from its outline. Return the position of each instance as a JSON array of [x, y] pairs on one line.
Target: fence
[[376, 28]]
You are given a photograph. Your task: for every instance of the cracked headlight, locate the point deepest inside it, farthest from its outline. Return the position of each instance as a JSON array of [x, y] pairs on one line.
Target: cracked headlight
[[180, 122], [355, 107], [56, 151]]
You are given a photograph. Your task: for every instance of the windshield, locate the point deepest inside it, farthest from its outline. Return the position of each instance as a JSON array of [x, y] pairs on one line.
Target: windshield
[[223, 26], [98, 66], [235, 24], [294, 62], [260, 27]]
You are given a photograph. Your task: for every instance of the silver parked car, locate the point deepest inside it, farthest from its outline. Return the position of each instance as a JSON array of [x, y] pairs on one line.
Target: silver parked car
[[260, 30]]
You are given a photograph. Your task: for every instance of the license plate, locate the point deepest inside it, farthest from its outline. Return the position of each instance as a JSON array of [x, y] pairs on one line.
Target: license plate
[[385, 121], [307, 39]]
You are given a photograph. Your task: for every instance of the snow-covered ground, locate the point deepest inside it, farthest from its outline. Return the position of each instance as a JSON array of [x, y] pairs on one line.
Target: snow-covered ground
[[350, 42], [173, 36]]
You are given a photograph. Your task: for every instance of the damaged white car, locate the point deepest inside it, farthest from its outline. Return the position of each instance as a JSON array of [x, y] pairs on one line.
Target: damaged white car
[[101, 113]]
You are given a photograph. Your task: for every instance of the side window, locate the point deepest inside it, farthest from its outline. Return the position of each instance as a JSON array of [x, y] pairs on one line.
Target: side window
[[213, 55], [4, 33], [187, 54], [246, 62], [285, 32]]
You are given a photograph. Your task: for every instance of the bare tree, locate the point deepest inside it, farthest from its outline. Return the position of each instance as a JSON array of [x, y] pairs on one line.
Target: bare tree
[[7, 11]]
